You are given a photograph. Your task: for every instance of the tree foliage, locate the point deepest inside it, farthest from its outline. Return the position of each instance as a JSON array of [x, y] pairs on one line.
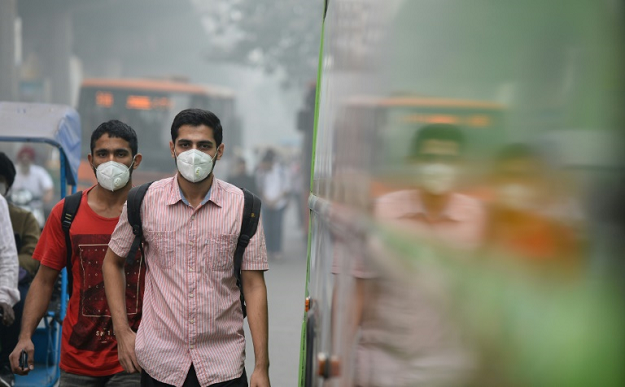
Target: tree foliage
[[274, 35]]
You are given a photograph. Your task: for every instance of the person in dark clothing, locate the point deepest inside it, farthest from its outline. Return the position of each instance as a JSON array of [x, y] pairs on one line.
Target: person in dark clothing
[[241, 178]]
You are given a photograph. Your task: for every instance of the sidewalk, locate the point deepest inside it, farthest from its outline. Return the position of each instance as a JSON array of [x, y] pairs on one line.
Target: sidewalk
[[285, 288]]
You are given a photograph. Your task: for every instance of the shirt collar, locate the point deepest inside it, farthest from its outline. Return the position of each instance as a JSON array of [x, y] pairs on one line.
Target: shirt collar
[[214, 193], [453, 211]]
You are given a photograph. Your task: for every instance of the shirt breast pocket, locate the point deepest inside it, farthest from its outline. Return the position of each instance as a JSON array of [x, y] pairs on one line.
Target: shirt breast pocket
[[164, 243], [219, 252]]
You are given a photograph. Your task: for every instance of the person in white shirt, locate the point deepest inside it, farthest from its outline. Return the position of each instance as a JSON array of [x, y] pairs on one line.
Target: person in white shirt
[[273, 186], [9, 266], [36, 181], [33, 177]]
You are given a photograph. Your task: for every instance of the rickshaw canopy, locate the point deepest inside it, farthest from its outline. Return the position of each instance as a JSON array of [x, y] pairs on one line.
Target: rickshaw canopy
[[57, 125]]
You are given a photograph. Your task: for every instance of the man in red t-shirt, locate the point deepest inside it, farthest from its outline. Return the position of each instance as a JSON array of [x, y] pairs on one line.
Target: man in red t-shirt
[[88, 347]]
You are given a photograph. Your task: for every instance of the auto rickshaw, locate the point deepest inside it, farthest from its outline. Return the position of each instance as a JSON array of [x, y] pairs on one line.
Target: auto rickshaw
[[59, 127]]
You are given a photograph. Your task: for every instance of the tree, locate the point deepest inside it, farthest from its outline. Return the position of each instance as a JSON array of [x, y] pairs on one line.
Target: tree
[[273, 35]]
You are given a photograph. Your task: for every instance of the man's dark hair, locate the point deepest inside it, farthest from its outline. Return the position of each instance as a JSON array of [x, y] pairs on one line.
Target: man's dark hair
[[442, 132], [270, 156], [115, 128], [197, 117], [7, 169]]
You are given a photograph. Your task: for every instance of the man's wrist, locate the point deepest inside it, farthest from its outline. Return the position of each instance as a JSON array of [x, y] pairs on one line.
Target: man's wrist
[[25, 336], [262, 366], [122, 330]]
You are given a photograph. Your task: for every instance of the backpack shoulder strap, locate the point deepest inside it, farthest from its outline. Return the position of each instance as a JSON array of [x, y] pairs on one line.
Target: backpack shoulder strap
[[249, 224], [70, 208], [133, 209]]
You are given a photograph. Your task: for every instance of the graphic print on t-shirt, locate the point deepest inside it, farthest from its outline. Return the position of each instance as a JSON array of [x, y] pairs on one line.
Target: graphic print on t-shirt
[[94, 329]]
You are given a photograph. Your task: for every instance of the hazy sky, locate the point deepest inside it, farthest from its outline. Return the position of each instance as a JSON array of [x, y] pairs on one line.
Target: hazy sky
[[120, 39]]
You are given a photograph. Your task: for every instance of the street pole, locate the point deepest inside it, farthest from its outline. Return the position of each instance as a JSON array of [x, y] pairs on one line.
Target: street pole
[[7, 50]]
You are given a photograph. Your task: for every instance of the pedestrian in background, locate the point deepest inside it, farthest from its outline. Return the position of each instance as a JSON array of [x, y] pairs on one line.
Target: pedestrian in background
[[274, 187], [9, 268], [241, 178], [35, 180], [26, 231], [9, 293]]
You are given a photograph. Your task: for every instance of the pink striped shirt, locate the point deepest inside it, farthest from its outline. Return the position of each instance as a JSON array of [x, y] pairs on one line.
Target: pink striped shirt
[[191, 308]]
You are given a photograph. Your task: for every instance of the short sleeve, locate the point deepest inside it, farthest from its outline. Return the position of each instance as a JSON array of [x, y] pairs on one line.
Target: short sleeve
[[51, 249], [255, 256], [122, 237]]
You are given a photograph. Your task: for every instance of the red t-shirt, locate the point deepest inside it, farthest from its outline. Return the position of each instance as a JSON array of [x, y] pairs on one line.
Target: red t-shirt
[[88, 346]]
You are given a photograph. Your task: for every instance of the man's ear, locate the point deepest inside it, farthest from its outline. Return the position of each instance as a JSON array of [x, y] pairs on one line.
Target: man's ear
[[90, 160], [171, 149], [138, 158], [220, 151]]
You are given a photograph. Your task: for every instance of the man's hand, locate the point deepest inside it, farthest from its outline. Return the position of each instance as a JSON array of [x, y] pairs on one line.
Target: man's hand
[[126, 351], [14, 357], [260, 378], [7, 314], [255, 292], [115, 285]]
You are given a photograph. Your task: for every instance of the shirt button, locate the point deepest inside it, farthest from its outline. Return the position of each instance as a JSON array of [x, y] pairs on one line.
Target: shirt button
[[191, 269], [192, 321], [190, 243], [191, 346], [193, 217], [191, 295]]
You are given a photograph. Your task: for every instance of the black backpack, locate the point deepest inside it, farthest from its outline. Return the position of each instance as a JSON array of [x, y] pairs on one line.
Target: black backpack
[[251, 212]]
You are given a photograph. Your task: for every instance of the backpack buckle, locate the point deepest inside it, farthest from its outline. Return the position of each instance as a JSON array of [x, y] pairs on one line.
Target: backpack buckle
[[244, 240], [136, 229], [67, 222]]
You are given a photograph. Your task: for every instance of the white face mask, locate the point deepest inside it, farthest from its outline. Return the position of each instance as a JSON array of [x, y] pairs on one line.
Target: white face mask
[[113, 175], [437, 178], [194, 165]]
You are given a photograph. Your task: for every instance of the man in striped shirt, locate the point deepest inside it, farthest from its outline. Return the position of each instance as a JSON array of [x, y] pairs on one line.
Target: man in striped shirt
[[191, 333]]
